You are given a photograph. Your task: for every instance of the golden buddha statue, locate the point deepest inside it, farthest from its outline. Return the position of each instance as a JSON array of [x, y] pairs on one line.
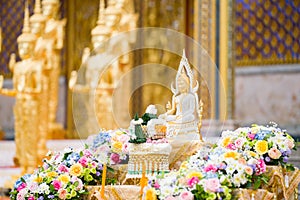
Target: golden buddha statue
[[98, 80], [30, 124], [183, 114], [53, 39]]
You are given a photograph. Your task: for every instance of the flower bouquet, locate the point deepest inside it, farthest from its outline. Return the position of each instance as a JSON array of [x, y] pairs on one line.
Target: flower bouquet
[[270, 143], [111, 147], [63, 176]]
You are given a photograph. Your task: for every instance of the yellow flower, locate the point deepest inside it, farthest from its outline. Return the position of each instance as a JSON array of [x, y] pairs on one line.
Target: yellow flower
[[117, 146], [51, 174], [252, 154], [76, 169], [183, 165], [64, 178], [119, 133], [231, 154], [150, 194], [38, 179], [195, 174], [226, 141], [255, 129], [261, 147]]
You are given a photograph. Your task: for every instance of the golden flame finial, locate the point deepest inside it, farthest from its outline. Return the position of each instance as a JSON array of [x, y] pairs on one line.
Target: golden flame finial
[[101, 19], [26, 27], [37, 7]]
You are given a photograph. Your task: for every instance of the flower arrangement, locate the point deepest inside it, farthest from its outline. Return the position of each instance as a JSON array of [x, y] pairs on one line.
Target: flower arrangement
[[111, 147], [63, 176], [269, 143]]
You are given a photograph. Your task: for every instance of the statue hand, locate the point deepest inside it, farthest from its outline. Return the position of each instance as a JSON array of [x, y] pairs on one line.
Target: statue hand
[[72, 80], [12, 61]]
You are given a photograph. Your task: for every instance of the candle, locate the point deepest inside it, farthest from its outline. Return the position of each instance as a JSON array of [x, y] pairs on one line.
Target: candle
[[103, 181], [144, 180]]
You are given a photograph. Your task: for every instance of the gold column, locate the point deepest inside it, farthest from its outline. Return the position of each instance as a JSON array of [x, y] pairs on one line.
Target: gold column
[[205, 34], [223, 66]]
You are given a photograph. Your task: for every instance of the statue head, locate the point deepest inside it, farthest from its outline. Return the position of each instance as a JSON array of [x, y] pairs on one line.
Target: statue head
[[50, 8], [26, 41], [101, 32], [184, 78], [183, 83], [37, 20]]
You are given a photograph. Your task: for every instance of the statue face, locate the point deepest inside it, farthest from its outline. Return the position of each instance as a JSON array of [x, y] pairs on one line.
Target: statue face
[[25, 49], [50, 10], [37, 28], [183, 85]]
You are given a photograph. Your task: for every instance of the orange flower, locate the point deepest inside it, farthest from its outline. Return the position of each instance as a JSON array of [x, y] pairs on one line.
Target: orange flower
[[249, 170], [150, 194], [242, 161]]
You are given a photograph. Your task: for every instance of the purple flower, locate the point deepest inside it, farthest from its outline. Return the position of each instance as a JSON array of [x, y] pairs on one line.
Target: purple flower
[[98, 173], [41, 198], [267, 159], [285, 159], [51, 196]]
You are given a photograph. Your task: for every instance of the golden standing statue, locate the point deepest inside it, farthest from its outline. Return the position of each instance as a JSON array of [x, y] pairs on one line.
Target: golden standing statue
[[53, 40], [30, 129]]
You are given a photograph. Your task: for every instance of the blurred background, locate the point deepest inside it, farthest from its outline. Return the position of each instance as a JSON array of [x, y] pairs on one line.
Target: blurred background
[[254, 43]]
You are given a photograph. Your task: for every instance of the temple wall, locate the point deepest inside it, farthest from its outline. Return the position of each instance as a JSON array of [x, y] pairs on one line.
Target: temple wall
[[7, 103], [268, 93]]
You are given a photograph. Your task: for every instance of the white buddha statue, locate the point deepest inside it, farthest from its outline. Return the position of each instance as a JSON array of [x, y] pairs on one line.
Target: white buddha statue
[[183, 113]]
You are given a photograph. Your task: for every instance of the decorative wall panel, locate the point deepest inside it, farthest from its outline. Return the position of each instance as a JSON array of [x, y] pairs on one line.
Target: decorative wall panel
[[266, 32]]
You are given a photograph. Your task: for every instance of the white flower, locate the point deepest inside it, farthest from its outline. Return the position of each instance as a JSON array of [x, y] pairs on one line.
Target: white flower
[[136, 122], [151, 110], [43, 188]]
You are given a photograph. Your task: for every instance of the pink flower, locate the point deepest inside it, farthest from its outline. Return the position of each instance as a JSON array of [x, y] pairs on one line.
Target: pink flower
[[239, 142], [156, 185], [251, 136], [260, 167], [22, 186], [115, 158], [125, 148], [231, 146], [210, 167], [186, 195], [31, 198], [87, 153], [62, 193], [124, 138], [192, 181], [94, 164], [212, 184], [20, 196], [63, 168], [170, 198], [56, 184], [83, 161], [274, 153]]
